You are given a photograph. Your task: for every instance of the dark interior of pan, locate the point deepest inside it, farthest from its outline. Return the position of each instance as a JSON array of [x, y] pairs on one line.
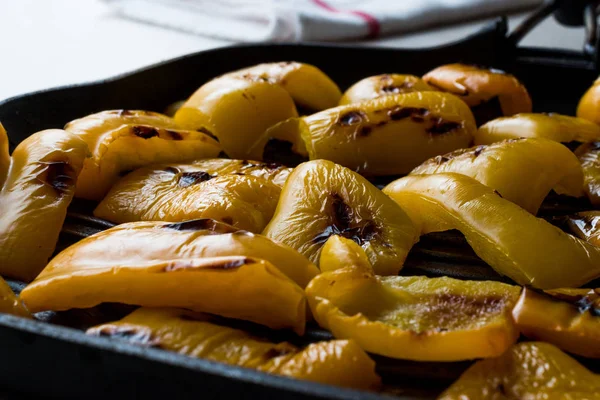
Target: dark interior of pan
[[54, 358]]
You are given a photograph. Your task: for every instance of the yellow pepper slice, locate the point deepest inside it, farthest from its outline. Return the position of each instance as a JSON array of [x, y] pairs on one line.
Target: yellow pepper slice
[[34, 199], [586, 226], [531, 370], [560, 128], [589, 104], [383, 85], [521, 170], [568, 318], [589, 156], [336, 362], [417, 318], [9, 303], [385, 136], [527, 249], [238, 110], [310, 87], [122, 140], [183, 192], [321, 199], [490, 93]]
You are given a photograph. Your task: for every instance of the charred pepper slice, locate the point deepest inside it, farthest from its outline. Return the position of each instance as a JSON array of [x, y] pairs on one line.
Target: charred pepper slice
[[531, 370], [515, 243], [176, 193], [560, 128], [521, 170], [37, 189], [417, 318], [384, 136], [491, 93], [122, 140], [567, 318], [321, 199], [336, 362]]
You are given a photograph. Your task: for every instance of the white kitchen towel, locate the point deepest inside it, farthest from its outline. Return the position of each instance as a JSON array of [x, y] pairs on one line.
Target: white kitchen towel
[[310, 20]]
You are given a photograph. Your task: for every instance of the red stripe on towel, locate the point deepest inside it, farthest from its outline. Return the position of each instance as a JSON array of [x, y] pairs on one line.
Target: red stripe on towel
[[372, 22]]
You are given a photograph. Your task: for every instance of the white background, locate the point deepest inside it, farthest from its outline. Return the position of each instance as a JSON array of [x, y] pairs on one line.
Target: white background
[[46, 43]]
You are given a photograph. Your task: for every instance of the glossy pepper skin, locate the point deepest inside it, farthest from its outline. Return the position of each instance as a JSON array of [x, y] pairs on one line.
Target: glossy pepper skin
[[37, 189], [9, 303], [180, 192], [490, 93], [586, 226], [521, 170], [530, 370], [416, 318], [385, 136], [238, 110], [529, 250], [321, 199], [589, 104], [589, 156], [557, 127], [383, 85], [310, 87], [123, 140], [568, 318], [336, 362], [273, 172], [202, 265]]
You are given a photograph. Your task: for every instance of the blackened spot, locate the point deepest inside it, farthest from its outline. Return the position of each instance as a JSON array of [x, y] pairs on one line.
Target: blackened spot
[[440, 126], [228, 220], [277, 352], [497, 193], [398, 113], [342, 213], [229, 264], [501, 389], [207, 132], [365, 131], [479, 150], [352, 118], [145, 132], [244, 95], [175, 135], [245, 162], [192, 178], [280, 152], [200, 224], [172, 170], [487, 110], [61, 176]]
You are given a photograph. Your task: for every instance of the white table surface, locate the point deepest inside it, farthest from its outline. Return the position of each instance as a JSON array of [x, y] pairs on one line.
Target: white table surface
[[47, 43]]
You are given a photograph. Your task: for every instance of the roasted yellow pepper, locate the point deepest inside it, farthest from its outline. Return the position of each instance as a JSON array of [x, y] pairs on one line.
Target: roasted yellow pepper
[[417, 318], [37, 189], [383, 85], [202, 265], [122, 140], [238, 110], [9, 303], [321, 199], [567, 318], [384, 136], [176, 193], [589, 156], [336, 362], [532, 371], [586, 225], [311, 88], [560, 128], [529, 250], [589, 105], [521, 170], [490, 93], [272, 172]]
